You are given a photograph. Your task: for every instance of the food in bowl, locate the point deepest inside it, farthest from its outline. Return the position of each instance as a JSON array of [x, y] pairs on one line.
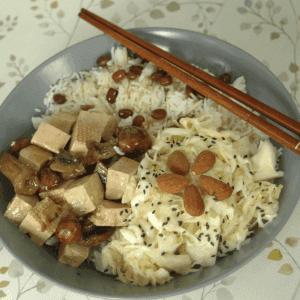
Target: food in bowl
[[156, 178]]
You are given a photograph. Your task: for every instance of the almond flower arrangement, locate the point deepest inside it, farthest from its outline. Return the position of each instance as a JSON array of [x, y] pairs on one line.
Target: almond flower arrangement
[[175, 183]]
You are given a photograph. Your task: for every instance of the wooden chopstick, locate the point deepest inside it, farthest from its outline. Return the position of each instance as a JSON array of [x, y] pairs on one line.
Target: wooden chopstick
[[161, 59]]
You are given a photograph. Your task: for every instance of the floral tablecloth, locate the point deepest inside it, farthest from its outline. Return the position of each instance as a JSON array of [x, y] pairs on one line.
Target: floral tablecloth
[[31, 31]]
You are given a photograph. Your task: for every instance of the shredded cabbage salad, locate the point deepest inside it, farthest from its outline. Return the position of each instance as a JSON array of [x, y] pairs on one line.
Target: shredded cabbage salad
[[161, 236]]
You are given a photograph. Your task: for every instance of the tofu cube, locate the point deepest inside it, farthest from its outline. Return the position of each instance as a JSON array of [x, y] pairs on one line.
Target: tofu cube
[[57, 195], [64, 121], [110, 213], [19, 207], [34, 156], [72, 254], [85, 194], [118, 176], [41, 222], [50, 138], [80, 170], [91, 126]]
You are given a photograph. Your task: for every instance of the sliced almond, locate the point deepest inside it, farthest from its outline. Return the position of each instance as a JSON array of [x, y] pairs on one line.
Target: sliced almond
[[178, 163], [193, 202], [172, 183], [211, 185], [203, 162]]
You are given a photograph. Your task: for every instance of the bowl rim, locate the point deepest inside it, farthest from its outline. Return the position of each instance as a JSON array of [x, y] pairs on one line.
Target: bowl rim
[[154, 31]]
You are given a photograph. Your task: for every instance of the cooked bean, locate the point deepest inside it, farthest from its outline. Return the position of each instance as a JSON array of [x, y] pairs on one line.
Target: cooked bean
[[119, 75], [48, 180], [132, 75], [69, 231], [136, 69], [225, 77], [125, 113], [59, 99], [111, 95], [158, 114], [87, 107], [161, 71], [156, 76], [102, 61], [19, 145], [166, 80], [138, 121], [64, 162]]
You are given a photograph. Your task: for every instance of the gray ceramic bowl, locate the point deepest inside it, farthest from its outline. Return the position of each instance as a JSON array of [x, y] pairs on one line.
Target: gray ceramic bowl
[[204, 51]]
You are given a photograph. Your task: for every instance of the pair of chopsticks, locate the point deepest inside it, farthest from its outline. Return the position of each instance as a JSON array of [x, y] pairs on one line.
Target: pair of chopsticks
[[199, 81]]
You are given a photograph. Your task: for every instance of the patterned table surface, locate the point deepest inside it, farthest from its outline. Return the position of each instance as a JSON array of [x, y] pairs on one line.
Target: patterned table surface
[[31, 31]]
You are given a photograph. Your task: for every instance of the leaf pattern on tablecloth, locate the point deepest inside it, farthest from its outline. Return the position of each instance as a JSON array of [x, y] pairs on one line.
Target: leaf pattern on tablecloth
[[260, 18], [3, 270], [292, 241], [7, 25], [286, 269], [19, 68]]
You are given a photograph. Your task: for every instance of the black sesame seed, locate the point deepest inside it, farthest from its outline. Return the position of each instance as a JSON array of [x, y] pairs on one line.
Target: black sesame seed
[[237, 166], [136, 205], [178, 214], [159, 203], [163, 253], [251, 173], [213, 255], [209, 146], [141, 167], [262, 215], [147, 186], [262, 210], [168, 142], [215, 230], [245, 156], [201, 234], [217, 237], [227, 217], [213, 138], [161, 234], [140, 226], [168, 219], [175, 232], [223, 221], [151, 227], [270, 203], [224, 243], [129, 220], [198, 223], [234, 156], [180, 223], [202, 136], [139, 186], [213, 142], [220, 250], [257, 207], [223, 138], [165, 223], [143, 178], [106, 270], [260, 183], [170, 200], [196, 266], [208, 239], [153, 211], [207, 225], [144, 191], [149, 245], [205, 140], [199, 239], [183, 232], [121, 212], [173, 209], [171, 145], [147, 173], [212, 243], [226, 247], [143, 235], [126, 211], [125, 220], [220, 239], [145, 243], [178, 144]]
